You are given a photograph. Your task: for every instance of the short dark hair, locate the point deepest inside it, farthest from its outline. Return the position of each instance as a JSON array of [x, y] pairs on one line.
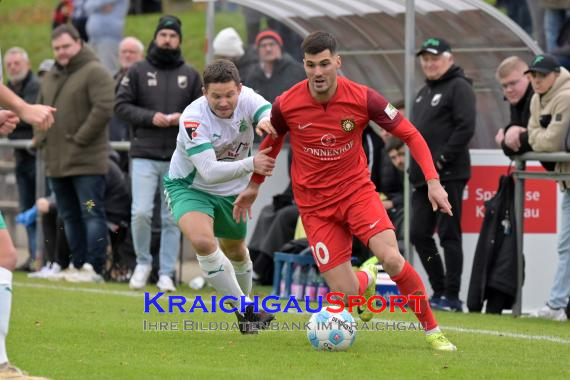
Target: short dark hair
[[65, 29], [221, 71], [319, 41], [393, 143]]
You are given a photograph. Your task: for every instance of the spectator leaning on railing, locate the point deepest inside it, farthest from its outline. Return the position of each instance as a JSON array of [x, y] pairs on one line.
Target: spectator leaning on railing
[[547, 128]]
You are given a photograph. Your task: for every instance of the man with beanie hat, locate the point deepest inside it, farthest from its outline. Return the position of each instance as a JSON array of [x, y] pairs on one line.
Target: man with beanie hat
[[228, 45], [547, 128], [276, 71], [171, 23], [150, 98]]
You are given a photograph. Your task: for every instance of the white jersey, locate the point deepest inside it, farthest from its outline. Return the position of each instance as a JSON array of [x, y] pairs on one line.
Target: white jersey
[[212, 154]]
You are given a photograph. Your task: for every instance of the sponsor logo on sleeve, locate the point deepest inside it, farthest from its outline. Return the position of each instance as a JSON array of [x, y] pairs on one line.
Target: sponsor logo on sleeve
[[192, 126], [391, 111]]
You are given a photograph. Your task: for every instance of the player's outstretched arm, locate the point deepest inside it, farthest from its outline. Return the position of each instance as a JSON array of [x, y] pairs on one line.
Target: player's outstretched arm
[[244, 201], [38, 115], [438, 197]]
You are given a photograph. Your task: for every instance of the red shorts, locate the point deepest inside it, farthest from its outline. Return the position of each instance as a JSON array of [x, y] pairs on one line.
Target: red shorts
[[330, 229]]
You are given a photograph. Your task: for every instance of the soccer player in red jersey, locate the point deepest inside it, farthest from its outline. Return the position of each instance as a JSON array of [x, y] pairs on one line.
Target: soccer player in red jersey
[[325, 116]]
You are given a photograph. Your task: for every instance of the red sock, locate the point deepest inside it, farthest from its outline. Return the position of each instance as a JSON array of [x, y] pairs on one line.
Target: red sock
[[410, 283], [362, 282]]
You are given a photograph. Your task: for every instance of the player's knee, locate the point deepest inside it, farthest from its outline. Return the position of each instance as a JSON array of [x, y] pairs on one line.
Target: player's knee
[[8, 258], [204, 245]]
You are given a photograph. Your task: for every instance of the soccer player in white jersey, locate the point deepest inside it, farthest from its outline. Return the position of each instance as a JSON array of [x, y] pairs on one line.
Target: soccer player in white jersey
[[211, 165]]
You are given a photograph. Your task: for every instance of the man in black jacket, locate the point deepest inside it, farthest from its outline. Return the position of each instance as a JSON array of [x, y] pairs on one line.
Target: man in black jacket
[[517, 90], [26, 85], [444, 113], [151, 98], [513, 139]]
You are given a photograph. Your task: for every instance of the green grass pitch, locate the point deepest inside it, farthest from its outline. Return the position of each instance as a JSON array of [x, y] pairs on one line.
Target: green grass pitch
[[69, 331]]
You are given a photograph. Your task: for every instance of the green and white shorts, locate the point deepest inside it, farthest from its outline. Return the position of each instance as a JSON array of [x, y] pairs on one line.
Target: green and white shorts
[[182, 200], [2, 223]]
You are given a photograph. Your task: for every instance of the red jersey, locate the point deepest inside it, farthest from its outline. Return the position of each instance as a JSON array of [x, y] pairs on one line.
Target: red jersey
[[326, 140]]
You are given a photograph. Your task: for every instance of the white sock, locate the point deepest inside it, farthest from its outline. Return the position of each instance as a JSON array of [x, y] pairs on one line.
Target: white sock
[[433, 331], [219, 273], [5, 305], [244, 273]]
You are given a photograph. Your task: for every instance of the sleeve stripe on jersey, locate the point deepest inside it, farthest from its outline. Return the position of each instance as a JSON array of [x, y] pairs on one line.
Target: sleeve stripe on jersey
[[260, 111], [199, 149]]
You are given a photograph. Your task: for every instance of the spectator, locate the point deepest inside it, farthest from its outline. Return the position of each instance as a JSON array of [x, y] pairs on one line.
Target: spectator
[[117, 210], [131, 51], [513, 139], [105, 24], [393, 183], [444, 113], [291, 40], [79, 18], [228, 45], [276, 71], [26, 85], [555, 13], [562, 49], [150, 98], [518, 12], [547, 130], [75, 148], [62, 13]]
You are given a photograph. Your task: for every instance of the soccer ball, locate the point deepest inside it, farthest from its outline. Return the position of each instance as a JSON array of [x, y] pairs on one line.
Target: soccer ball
[[328, 331]]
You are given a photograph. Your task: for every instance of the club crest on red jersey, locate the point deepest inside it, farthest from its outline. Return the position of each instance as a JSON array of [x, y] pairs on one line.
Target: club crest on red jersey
[[192, 126], [347, 125]]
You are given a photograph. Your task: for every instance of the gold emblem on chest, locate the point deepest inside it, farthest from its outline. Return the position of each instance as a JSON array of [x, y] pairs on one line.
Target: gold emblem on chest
[[347, 125]]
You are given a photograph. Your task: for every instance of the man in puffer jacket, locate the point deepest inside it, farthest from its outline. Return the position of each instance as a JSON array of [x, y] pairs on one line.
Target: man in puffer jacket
[[151, 98]]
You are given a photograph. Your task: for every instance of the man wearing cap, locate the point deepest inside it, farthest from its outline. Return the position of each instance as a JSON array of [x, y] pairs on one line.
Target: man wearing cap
[[444, 113], [547, 130], [151, 98], [26, 85], [276, 71], [513, 139]]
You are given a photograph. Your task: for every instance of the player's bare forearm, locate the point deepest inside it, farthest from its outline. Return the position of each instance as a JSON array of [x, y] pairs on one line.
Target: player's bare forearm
[[244, 201]]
